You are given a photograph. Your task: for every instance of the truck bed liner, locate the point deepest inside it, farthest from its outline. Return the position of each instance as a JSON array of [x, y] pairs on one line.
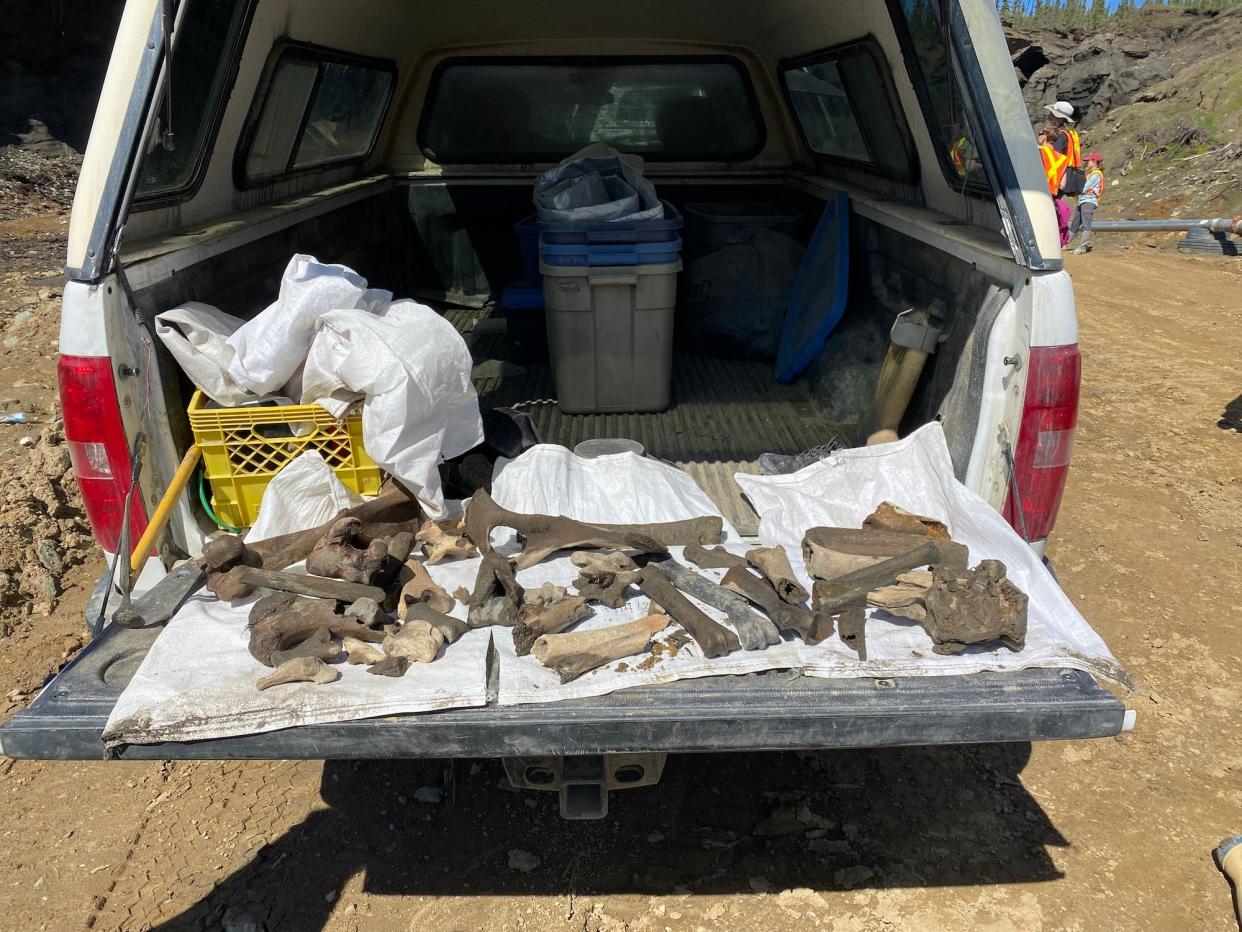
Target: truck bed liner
[[766, 711]]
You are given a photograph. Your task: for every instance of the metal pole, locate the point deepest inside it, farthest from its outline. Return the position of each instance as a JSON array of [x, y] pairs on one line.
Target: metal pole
[[1218, 225]]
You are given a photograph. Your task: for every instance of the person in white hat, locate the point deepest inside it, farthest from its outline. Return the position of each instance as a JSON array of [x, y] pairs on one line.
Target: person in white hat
[[1060, 125]]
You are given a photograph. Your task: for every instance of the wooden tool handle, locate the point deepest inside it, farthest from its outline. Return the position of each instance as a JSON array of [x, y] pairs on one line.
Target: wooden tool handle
[[142, 550]]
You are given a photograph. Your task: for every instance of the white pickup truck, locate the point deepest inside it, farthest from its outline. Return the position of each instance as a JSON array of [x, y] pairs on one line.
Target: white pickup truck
[[401, 138]]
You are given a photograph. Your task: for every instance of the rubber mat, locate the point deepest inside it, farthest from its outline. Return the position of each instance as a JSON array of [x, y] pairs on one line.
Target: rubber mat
[[724, 414]]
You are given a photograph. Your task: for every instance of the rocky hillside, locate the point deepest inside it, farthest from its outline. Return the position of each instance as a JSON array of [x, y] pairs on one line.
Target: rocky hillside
[[1159, 94]]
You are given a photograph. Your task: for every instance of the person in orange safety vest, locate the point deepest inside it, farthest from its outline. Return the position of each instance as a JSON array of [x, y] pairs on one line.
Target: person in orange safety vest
[[1054, 173]]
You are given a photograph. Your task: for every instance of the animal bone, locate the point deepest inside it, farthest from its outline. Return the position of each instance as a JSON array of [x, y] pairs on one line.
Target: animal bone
[[421, 588], [220, 557], [399, 547], [836, 595], [773, 563], [574, 654], [462, 595], [713, 558], [451, 628], [544, 535], [346, 553], [758, 590], [714, 639], [441, 543], [319, 644], [546, 594], [852, 628], [830, 552], [497, 596], [360, 652], [299, 670], [416, 640], [979, 606], [538, 620], [821, 629], [250, 578], [367, 611], [604, 577], [597, 564], [889, 517], [753, 630], [390, 666], [278, 622], [905, 599]]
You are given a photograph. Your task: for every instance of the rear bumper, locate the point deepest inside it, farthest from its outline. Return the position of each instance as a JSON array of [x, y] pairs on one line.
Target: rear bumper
[[769, 711]]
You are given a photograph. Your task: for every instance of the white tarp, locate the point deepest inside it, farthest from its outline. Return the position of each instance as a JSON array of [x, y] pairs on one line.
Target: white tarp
[[197, 336], [271, 346], [305, 493], [917, 474], [411, 369]]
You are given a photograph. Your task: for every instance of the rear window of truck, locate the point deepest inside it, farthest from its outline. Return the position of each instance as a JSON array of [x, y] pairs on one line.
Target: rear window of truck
[[541, 110], [318, 108]]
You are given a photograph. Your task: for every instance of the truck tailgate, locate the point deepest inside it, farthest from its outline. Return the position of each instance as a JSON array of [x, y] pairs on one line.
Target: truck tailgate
[[765, 711]]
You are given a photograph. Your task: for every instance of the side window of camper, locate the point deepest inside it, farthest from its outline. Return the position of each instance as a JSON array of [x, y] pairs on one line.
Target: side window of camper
[[928, 61], [846, 109], [208, 41], [317, 108]]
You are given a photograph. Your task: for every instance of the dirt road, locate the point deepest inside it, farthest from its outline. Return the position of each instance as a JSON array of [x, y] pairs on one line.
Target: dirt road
[[1077, 835]]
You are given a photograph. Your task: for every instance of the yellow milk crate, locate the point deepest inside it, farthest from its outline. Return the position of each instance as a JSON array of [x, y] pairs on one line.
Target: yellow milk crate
[[243, 448]]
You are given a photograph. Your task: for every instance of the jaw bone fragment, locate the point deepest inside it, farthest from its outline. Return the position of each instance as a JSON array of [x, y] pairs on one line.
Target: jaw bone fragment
[[773, 563], [299, 670], [574, 654], [497, 596], [544, 534]]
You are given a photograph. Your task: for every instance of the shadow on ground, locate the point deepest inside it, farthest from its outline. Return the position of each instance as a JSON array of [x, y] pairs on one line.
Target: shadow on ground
[[1231, 419], [716, 824]]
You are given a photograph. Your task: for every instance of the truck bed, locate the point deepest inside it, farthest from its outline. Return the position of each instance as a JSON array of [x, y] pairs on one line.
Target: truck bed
[[768, 711]]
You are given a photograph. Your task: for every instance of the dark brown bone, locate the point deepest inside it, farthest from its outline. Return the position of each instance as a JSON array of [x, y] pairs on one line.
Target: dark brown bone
[[452, 628], [391, 513], [400, 546], [251, 578], [830, 552], [753, 630], [390, 666], [979, 606], [538, 620], [277, 622], [497, 596], [713, 558], [773, 563], [604, 577], [578, 652], [346, 553], [544, 534], [889, 517], [319, 645], [852, 627], [220, 558], [836, 595], [821, 630], [758, 590], [714, 639]]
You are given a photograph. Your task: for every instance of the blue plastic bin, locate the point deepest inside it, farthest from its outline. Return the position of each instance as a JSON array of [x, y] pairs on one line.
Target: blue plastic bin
[[528, 240], [608, 243], [523, 309]]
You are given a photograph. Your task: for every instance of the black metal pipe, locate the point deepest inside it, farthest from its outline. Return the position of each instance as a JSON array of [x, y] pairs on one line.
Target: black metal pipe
[[1217, 225]]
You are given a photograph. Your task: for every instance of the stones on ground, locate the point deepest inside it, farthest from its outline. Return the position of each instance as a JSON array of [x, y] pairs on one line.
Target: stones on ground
[[429, 794], [523, 861]]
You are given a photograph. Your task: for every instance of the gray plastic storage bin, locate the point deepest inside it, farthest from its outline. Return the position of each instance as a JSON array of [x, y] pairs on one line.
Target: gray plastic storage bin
[[610, 335]]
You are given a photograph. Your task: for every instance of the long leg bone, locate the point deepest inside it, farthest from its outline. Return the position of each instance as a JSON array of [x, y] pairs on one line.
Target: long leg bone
[[544, 535], [758, 590], [754, 631], [299, 670], [316, 587], [422, 589], [830, 552], [713, 558], [278, 622], [907, 598], [714, 639], [836, 595], [538, 620], [773, 563], [574, 654], [497, 596]]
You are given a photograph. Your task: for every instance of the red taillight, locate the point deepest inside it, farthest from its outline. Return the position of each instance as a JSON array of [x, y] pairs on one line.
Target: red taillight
[[1046, 438], [98, 446]]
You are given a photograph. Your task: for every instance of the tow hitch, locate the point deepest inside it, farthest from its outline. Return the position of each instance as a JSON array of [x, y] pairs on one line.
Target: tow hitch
[[585, 781]]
